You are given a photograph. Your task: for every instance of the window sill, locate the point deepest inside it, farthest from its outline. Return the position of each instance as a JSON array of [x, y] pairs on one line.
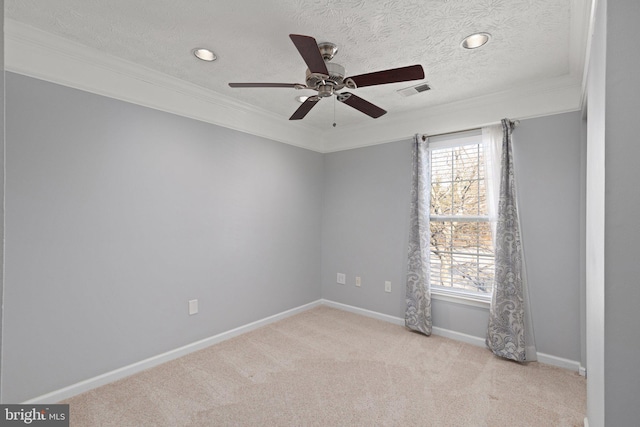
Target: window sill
[[460, 298]]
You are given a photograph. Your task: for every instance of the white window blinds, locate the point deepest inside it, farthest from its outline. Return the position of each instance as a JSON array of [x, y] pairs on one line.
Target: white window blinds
[[461, 251]]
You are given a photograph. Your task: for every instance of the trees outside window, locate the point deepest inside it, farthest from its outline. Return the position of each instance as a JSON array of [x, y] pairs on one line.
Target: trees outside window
[[461, 249]]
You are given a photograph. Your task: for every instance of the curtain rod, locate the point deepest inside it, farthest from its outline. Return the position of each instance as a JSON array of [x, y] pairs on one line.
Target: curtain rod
[[514, 123]]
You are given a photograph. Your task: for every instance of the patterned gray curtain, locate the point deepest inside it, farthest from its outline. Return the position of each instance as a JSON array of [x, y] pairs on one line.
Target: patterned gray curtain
[[507, 335], [418, 312]]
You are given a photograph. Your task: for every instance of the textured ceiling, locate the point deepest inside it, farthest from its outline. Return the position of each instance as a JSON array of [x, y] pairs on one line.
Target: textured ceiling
[[531, 42]]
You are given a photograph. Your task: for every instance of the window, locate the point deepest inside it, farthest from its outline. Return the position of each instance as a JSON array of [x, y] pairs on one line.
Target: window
[[461, 249]]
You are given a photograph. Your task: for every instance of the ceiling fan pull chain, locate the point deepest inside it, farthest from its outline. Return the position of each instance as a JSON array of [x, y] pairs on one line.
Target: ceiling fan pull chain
[[334, 111]]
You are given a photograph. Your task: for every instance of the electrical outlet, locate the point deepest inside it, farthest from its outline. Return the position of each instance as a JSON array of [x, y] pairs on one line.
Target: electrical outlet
[[342, 279], [387, 286], [193, 307], [358, 281]]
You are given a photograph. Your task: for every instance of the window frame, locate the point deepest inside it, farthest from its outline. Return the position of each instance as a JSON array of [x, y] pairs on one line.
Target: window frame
[[452, 140]]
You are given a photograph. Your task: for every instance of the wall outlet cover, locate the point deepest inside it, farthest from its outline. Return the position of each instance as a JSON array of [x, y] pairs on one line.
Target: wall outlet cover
[[387, 286], [342, 279], [193, 307]]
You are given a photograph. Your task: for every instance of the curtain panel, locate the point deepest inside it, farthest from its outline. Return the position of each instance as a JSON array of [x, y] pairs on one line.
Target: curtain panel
[[418, 311], [510, 330]]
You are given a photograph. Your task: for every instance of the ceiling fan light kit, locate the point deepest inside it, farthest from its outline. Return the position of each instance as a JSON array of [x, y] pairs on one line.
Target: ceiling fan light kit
[[327, 78]]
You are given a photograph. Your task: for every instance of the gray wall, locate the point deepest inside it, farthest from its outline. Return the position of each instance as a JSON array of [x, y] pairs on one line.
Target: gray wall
[[118, 214], [2, 147], [364, 228], [547, 153], [365, 220], [622, 204], [613, 290]]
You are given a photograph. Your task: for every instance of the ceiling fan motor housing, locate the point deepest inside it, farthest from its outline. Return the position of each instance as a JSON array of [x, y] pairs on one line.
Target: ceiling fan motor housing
[[335, 79]]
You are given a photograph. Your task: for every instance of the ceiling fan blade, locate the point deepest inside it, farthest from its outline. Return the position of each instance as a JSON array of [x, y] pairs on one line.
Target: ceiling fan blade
[[308, 48], [403, 74], [290, 85], [304, 108], [361, 105]]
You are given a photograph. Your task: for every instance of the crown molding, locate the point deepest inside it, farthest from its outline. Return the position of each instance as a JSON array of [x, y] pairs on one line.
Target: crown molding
[[45, 56], [589, 10], [580, 33], [544, 98], [35, 53]]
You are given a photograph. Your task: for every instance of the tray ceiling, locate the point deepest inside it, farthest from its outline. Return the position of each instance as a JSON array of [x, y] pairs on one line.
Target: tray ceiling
[[535, 44]]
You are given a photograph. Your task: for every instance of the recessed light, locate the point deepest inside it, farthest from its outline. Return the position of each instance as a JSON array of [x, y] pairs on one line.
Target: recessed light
[[301, 99], [475, 41], [204, 54]]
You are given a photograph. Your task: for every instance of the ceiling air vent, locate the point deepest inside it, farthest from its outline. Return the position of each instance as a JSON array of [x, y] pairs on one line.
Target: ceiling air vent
[[414, 90]]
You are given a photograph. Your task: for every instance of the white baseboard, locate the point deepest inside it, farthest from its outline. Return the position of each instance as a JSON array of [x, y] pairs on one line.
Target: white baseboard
[[560, 362], [363, 312], [108, 377], [586, 422], [458, 336]]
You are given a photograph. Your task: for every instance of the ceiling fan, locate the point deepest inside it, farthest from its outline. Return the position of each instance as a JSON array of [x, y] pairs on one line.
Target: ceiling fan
[[327, 78]]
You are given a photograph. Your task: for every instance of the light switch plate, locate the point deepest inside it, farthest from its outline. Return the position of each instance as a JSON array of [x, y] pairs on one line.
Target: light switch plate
[[342, 279], [387, 286]]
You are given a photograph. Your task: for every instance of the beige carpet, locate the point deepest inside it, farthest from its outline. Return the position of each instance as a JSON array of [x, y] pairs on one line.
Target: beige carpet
[[327, 367]]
